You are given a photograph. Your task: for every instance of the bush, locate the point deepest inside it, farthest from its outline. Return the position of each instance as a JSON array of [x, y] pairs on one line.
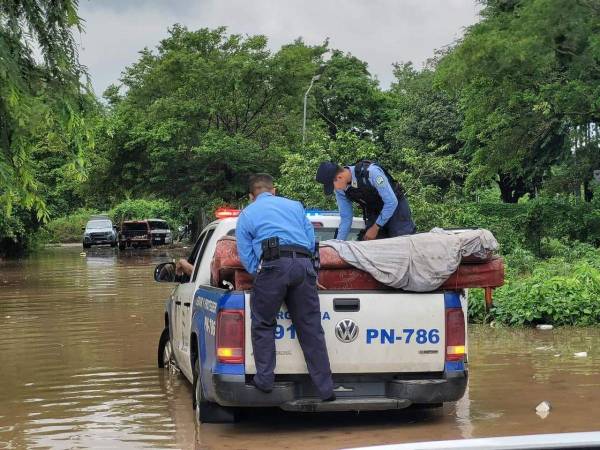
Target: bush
[[561, 290], [556, 293], [66, 229], [140, 209]]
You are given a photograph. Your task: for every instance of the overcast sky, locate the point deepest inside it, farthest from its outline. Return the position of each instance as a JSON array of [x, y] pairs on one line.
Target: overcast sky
[[380, 32]]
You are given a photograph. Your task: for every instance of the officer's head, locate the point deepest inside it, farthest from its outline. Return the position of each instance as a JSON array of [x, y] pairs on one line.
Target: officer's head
[[333, 176], [259, 183]]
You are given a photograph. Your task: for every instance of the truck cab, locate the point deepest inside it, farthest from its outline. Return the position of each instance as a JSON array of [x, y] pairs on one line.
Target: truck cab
[[388, 349]]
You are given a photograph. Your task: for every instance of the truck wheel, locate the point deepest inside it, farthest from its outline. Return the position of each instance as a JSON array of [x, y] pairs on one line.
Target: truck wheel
[[113, 244], [86, 245], [165, 350], [209, 412]]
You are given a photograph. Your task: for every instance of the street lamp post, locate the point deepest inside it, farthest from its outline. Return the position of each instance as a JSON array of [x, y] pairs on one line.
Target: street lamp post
[[315, 78]]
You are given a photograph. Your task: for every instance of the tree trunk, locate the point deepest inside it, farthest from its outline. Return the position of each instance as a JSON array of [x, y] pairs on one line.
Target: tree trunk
[[511, 189], [588, 193]]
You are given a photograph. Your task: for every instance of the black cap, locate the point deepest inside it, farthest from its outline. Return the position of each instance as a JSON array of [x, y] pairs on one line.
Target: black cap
[[326, 175]]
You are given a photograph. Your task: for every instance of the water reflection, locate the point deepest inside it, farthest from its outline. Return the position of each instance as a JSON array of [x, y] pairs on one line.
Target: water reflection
[[79, 335]]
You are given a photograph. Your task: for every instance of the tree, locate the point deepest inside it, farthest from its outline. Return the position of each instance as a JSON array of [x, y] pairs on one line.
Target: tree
[[40, 103], [200, 114], [422, 127], [346, 97], [526, 75]]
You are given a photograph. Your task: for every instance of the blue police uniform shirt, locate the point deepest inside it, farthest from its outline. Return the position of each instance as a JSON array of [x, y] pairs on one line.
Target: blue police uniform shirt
[[271, 216], [380, 182]]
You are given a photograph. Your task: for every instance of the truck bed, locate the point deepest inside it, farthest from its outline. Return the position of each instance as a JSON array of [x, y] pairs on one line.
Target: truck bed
[[336, 274]]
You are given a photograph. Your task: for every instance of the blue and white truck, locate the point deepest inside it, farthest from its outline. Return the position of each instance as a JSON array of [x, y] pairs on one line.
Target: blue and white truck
[[388, 349]]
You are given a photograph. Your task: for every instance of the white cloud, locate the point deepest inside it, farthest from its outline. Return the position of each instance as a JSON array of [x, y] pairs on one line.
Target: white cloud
[[380, 32]]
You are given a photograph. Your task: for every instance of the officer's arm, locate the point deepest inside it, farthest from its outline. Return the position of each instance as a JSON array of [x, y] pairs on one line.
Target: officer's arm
[[243, 237], [309, 228], [387, 194], [346, 213]]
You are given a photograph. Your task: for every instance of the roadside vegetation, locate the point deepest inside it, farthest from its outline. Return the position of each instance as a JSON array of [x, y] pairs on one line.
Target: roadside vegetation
[[498, 130]]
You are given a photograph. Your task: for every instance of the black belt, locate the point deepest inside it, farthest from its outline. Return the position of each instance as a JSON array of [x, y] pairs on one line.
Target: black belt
[[292, 251], [293, 254]]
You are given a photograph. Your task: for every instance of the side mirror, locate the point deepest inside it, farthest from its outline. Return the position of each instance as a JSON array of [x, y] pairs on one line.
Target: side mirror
[[165, 273]]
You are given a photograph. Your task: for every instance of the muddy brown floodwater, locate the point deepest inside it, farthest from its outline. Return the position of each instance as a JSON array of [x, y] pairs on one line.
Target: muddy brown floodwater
[[78, 341]]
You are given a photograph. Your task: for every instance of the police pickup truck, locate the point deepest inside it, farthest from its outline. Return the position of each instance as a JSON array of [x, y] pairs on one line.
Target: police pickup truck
[[388, 349]]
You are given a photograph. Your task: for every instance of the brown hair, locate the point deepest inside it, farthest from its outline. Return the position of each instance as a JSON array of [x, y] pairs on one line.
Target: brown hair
[[259, 183]]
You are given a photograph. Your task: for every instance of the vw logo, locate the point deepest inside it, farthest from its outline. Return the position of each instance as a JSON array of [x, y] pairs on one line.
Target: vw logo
[[346, 330]]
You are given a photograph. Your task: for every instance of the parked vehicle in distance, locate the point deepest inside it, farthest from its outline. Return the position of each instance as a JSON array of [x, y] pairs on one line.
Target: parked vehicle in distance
[[160, 231], [135, 233], [99, 231]]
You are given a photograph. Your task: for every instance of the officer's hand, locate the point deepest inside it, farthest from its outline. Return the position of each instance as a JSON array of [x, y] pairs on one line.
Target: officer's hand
[[371, 233]]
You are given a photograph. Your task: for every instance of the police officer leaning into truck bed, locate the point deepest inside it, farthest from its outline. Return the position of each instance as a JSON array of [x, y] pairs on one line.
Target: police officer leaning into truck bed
[[382, 199], [275, 242]]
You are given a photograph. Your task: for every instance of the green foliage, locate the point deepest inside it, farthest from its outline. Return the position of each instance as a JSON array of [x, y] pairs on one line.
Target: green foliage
[[557, 292], [422, 127], [40, 99], [526, 77], [198, 116], [140, 209], [66, 229], [347, 97]]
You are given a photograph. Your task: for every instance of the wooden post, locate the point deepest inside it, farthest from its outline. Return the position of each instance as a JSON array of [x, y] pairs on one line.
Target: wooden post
[[488, 298]]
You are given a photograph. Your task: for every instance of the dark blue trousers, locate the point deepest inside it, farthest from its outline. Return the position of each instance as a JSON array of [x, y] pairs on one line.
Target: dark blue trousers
[[293, 281], [399, 224]]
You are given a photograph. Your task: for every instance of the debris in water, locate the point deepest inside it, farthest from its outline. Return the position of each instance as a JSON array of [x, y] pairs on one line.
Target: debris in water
[[544, 327], [543, 409], [82, 254], [547, 347], [580, 355], [543, 414], [543, 406]]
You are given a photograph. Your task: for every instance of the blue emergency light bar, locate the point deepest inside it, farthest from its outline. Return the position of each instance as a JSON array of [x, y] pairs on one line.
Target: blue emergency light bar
[[321, 212]]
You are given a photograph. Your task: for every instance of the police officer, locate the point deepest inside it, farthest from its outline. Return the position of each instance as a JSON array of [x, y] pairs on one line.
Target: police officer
[[275, 242], [384, 205]]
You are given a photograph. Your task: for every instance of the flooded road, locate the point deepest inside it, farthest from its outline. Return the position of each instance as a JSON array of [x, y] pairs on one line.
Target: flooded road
[[78, 341]]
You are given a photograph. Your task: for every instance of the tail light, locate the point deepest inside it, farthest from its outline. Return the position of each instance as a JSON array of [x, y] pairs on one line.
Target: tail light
[[455, 334], [230, 336]]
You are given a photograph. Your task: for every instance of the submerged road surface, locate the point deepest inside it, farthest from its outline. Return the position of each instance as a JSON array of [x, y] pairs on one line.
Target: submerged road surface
[[78, 341]]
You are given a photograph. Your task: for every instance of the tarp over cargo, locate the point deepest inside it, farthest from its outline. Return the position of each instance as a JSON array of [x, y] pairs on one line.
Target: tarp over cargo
[[420, 262]]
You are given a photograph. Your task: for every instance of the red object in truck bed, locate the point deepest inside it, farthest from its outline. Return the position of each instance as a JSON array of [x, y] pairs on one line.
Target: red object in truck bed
[[336, 274]]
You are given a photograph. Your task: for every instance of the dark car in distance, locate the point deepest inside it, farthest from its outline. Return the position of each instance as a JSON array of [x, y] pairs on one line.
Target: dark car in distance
[[135, 233]]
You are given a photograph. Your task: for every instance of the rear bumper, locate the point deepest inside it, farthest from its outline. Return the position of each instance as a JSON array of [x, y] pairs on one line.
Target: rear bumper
[[135, 241], [232, 390], [99, 241]]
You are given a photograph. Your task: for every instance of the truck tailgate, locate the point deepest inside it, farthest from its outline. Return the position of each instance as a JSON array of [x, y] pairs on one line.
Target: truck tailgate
[[366, 332]]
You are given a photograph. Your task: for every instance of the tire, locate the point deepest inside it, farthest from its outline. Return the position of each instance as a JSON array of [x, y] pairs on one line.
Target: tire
[[113, 244], [86, 245], [209, 412], [166, 359], [121, 246]]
